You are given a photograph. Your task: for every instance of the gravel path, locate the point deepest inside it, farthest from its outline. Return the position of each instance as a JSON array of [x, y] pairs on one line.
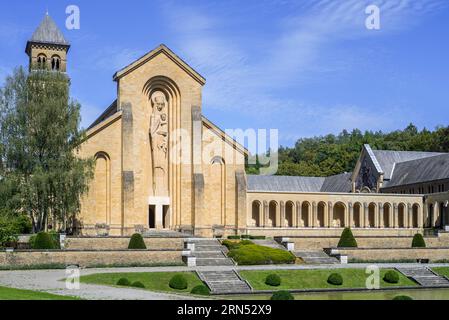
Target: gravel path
[[50, 280]]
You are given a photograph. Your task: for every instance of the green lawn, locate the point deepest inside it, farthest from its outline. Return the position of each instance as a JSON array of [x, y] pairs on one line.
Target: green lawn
[[316, 279], [442, 271], [154, 281], [18, 294]]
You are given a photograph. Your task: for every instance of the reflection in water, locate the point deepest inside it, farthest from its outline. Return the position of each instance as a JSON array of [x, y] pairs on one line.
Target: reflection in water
[[419, 294]]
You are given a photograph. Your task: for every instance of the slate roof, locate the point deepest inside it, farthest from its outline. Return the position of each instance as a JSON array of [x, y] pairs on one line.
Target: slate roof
[[109, 112], [420, 170], [387, 159], [48, 32], [337, 183], [284, 183]]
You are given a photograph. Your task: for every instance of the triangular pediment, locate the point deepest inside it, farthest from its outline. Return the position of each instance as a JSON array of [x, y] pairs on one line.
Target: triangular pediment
[[162, 49]]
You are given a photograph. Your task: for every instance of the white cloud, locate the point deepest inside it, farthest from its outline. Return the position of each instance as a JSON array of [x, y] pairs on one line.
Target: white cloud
[[237, 80]]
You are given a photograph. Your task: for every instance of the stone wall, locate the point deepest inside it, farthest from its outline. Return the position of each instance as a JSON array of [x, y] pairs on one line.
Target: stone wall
[[373, 254], [121, 243], [332, 232], [90, 258], [316, 243]]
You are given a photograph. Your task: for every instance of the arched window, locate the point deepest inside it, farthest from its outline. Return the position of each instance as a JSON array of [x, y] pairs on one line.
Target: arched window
[[41, 61], [55, 63]]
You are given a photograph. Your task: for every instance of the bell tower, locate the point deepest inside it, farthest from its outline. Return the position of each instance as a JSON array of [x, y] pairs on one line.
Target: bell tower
[[47, 49]]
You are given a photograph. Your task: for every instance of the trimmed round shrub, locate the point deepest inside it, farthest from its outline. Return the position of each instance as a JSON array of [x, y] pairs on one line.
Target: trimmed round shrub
[[335, 279], [347, 239], [137, 242], [178, 282], [138, 284], [273, 280], [123, 282], [391, 276], [201, 290], [43, 241], [418, 241], [402, 298], [282, 295]]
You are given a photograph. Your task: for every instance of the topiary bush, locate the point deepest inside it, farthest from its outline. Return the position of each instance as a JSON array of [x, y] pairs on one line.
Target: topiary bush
[[273, 280], [123, 282], [391, 276], [43, 241], [137, 242], [138, 284], [282, 295], [347, 239], [178, 282], [418, 241], [201, 290], [402, 298], [335, 279]]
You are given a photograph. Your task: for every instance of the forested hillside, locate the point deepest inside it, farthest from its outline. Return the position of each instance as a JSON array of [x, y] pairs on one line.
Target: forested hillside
[[334, 154]]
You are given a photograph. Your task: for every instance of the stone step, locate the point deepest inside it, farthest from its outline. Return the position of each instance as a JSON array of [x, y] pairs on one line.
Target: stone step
[[424, 276], [316, 257], [221, 282], [269, 243], [208, 248], [209, 254], [214, 262], [219, 275]]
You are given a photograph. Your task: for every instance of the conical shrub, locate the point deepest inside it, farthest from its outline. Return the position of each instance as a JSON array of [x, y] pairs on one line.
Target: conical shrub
[[347, 239]]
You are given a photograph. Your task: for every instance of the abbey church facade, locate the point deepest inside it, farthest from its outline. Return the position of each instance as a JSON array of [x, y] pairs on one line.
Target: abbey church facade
[[160, 164]]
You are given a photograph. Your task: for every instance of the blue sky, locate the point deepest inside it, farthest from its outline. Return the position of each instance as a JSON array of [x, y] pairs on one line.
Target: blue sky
[[304, 67]]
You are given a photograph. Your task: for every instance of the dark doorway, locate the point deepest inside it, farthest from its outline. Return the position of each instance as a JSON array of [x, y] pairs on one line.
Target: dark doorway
[[152, 216], [166, 217]]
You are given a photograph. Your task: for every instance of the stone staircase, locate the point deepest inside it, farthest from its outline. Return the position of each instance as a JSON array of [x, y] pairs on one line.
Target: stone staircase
[[210, 252], [424, 276], [224, 282], [315, 257], [269, 243]]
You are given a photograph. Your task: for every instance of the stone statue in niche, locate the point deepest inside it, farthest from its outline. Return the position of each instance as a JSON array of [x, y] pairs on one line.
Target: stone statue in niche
[[159, 143]]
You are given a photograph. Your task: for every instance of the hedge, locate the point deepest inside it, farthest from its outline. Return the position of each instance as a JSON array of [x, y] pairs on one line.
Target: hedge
[[282, 295], [391, 276], [418, 241], [247, 253], [136, 242], [234, 237], [178, 282], [347, 239]]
